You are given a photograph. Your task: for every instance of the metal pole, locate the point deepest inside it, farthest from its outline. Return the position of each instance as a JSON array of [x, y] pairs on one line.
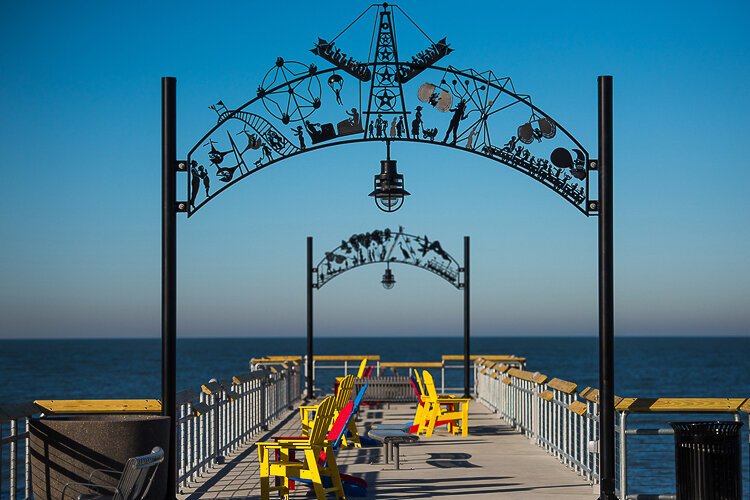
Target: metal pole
[[309, 272], [467, 353], [169, 271], [606, 295]]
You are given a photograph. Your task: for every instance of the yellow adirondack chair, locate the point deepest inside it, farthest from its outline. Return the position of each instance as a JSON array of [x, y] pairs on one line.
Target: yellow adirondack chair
[[308, 413], [442, 409], [310, 467]]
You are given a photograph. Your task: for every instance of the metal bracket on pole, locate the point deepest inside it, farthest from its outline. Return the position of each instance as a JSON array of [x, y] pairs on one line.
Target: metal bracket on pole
[[181, 206], [181, 166], [593, 164]]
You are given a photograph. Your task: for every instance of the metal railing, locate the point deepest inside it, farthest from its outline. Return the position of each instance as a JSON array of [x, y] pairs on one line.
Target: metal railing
[[15, 456], [226, 414], [342, 365], [565, 422], [212, 423], [548, 412]]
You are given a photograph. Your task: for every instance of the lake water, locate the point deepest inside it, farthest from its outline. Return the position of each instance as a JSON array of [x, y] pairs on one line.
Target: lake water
[[645, 367]]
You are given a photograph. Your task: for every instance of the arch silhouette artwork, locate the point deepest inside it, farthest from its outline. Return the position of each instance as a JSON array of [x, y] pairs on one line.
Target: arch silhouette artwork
[[299, 108], [387, 247], [351, 93]]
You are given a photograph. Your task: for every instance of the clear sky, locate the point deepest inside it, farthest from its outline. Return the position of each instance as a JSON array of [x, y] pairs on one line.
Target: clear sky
[[80, 223]]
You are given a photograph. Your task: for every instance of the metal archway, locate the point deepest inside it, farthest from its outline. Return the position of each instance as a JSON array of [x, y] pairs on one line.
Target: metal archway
[[291, 93], [387, 247]]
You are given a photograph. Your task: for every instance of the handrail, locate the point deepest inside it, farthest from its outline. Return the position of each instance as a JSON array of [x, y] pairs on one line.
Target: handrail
[[92, 406], [565, 422], [681, 405]]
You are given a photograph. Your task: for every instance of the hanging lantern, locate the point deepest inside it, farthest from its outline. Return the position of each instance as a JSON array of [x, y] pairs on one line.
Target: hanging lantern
[[388, 279]]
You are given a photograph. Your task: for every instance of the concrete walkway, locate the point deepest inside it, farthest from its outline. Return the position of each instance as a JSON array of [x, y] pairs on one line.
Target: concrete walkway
[[492, 462]]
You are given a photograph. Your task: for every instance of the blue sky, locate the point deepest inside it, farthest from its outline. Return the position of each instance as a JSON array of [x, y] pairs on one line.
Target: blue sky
[[80, 96]]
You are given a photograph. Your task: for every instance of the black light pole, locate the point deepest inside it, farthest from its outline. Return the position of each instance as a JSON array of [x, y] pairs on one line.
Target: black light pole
[[467, 351], [169, 270], [309, 270], [606, 296]]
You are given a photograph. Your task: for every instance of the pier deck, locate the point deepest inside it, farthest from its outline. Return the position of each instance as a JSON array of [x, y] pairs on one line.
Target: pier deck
[[494, 461]]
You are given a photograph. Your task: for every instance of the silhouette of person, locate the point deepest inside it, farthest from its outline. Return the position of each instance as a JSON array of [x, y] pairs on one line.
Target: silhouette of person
[[458, 115], [354, 120], [195, 181], [400, 126], [470, 139], [298, 133], [393, 126], [379, 127], [371, 129], [416, 123], [511, 144], [203, 174]]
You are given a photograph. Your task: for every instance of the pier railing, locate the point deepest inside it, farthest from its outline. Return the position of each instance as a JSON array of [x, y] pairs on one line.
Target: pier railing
[[342, 365], [213, 422], [226, 414], [547, 411], [563, 420]]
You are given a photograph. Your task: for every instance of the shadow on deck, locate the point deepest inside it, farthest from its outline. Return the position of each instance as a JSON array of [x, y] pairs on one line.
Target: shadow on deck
[[494, 461]]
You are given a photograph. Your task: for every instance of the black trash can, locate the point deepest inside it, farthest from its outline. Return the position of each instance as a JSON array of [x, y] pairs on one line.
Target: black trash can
[[708, 460]]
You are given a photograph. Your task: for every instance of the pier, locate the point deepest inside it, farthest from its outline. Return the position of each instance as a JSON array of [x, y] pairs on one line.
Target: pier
[[531, 435]]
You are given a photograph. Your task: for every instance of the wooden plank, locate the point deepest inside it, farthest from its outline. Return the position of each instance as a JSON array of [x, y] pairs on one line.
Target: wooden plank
[[562, 385], [211, 387], [577, 407], [592, 395], [501, 367], [546, 395], [680, 405], [584, 391], [494, 375], [536, 377], [746, 406], [485, 357], [347, 357], [411, 364], [507, 381], [83, 406]]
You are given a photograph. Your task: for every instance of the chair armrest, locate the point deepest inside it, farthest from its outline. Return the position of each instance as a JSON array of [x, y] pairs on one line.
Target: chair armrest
[[113, 489], [112, 471]]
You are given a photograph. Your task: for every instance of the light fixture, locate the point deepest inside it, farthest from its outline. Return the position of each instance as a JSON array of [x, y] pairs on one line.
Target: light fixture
[[389, 189], [388, 279]]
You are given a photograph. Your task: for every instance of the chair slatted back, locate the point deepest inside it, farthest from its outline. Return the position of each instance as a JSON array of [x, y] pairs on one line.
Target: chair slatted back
[[345, 392], [362, 366], [422, 392], [138, 475], [322, 422], [429, 390]]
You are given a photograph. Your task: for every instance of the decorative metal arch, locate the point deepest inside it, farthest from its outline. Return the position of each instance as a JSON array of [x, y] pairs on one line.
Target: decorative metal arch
[[386, 247], [476, 112]]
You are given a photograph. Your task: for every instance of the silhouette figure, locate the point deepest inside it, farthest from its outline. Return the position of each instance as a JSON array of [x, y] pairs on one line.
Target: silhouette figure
[[400, 126], [416, 123], [298, 133], [470, 139], [195, 181], [458, 115], [393, 127]]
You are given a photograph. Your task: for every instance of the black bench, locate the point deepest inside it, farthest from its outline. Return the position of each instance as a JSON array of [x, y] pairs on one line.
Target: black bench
[[392, 439]]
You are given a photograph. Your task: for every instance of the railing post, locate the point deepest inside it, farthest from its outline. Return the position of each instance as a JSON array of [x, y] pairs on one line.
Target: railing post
[[623, 457], [216, 430], [264, 402], [13, 458]]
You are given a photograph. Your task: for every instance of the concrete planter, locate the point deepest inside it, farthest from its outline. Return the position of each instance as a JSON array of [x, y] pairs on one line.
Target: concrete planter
[[66, 449]]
